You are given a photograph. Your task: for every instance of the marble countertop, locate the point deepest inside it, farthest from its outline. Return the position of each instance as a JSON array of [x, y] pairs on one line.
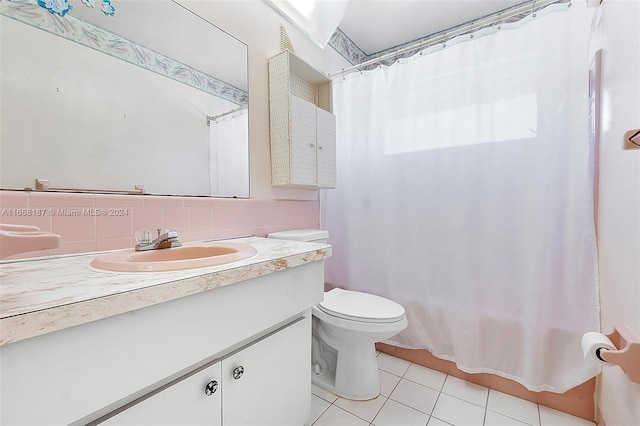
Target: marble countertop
[[49, 294]]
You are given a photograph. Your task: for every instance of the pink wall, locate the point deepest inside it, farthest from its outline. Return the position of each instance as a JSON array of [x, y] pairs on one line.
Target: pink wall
[[616, 33], [94, 222]]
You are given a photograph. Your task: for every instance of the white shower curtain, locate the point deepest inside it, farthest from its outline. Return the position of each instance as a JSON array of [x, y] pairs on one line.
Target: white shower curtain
[[465, 194], [229, 154]]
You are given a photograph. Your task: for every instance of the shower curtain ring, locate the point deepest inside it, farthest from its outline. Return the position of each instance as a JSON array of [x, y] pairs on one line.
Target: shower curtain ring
[[533, 9]]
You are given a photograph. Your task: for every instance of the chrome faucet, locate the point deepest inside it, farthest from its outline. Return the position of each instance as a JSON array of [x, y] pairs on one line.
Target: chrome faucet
[[167, 240]]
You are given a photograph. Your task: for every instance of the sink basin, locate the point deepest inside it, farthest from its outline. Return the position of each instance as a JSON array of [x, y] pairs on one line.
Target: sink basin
[[16, 239], [188, 256]]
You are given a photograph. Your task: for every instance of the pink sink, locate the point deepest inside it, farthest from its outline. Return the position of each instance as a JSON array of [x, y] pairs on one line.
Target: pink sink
[[16, 239], [189, 256]]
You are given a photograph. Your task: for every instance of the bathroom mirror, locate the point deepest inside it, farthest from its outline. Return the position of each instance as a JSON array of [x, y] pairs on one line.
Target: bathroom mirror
[[154, 97]]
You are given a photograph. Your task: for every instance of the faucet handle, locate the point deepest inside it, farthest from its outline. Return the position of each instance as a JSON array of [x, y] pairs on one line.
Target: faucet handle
[[143, 236], [172, 233]]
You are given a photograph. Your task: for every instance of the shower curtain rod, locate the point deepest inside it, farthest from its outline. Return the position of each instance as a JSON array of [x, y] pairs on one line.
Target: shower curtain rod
[[489, 20], [211, 118]]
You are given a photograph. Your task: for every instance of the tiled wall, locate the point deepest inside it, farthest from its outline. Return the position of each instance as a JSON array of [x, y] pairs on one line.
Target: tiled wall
[[94, 222]]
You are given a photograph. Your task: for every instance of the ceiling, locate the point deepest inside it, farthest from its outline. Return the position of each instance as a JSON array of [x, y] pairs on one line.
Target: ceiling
[[377, 25]]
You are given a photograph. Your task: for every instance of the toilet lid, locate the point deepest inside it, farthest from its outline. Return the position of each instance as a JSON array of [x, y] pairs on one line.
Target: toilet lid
[[359, 306]]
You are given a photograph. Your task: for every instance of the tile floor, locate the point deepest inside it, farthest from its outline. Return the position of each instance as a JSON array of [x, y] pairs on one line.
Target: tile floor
[[415, 395]]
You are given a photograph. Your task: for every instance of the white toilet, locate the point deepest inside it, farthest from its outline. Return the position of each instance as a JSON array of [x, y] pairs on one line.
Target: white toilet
[[346, 325]]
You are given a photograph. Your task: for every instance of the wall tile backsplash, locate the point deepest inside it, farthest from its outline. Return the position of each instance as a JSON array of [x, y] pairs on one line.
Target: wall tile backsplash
[[96, 222]]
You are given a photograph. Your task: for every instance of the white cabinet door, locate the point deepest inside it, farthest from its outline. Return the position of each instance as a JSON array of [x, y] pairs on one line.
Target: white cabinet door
[[313, 145], [303, 142], [275, 385], [195, 400], [265, 384], [326, 140]]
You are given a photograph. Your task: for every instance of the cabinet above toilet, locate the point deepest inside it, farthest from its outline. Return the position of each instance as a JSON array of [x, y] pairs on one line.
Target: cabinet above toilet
[[302, 124]]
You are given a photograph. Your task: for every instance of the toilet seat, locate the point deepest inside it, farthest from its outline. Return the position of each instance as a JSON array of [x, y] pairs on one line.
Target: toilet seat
[[361, 307]]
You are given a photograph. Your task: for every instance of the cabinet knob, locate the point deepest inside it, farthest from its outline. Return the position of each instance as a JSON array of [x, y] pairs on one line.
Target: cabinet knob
[[320, 147], [211, 388], [238, 372], [312, 145]]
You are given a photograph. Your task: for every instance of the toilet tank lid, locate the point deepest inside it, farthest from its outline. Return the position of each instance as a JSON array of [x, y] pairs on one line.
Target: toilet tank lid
[[300, 235]]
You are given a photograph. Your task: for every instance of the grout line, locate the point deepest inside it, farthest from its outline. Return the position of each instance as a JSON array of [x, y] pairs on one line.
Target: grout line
[[321, 414], [511, 417], [379, 409], [468, 402], [539, 416], [438, 398], [330, 402], [347, 411], [439, 393], [435, 403], [434, 417], [422, 384], [486, 407], [444, 382], [394, 388], [408, 406]]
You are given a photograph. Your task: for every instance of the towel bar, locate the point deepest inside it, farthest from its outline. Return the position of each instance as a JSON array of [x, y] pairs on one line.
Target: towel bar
[[43, 185]]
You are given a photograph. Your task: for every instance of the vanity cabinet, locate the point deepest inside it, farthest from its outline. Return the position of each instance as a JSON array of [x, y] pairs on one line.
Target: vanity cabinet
[[151, 365], [250, 387], [302, 125]]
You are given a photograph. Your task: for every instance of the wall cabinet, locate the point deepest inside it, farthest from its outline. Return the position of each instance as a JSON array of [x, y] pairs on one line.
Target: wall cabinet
[[254, 386], [302, 124]]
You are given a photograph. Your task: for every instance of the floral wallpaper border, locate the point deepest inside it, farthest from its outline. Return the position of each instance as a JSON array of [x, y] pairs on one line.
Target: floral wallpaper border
[[74, 29], [347, 48], [352, 53]]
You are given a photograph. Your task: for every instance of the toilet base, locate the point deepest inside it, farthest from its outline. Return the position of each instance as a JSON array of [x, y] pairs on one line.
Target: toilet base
[[343, 347], [357, 374]]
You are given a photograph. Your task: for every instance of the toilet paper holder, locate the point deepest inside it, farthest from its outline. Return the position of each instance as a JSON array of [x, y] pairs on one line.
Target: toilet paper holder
[[627, 356]]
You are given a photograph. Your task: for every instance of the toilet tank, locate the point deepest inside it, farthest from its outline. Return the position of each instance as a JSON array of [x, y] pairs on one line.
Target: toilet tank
[[310, 235]]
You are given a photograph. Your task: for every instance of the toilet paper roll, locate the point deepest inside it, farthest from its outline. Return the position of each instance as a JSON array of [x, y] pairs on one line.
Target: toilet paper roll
[[594, 344]]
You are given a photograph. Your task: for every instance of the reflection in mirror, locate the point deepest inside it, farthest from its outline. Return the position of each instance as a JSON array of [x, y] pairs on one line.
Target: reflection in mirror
[[154, 96]]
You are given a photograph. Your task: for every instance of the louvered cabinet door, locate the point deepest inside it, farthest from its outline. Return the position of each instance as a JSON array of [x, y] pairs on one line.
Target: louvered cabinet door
[[326, 148], [303, 142]]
